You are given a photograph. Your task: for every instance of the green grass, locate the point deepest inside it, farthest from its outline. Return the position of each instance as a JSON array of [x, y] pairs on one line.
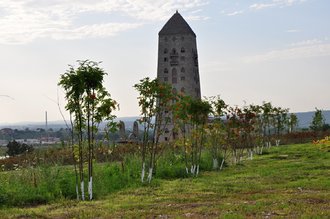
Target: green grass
[[289, 181]]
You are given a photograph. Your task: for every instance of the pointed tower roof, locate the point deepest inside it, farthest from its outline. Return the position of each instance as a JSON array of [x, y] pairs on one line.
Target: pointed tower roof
[[176, 25]]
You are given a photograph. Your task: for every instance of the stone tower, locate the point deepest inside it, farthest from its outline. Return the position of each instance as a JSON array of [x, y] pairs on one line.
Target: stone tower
[[178, 61]]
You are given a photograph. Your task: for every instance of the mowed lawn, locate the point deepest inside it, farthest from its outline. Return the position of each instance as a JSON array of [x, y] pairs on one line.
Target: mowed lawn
[[288, 181]]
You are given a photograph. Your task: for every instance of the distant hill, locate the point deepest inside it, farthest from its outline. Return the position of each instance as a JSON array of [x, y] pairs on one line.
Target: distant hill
[[56, 125], [304, 118]]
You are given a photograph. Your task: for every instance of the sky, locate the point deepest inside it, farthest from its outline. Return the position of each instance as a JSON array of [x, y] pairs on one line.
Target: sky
[[250, 51]]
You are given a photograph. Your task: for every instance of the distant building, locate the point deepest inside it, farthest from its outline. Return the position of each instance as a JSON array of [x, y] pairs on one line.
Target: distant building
[[178, 62]]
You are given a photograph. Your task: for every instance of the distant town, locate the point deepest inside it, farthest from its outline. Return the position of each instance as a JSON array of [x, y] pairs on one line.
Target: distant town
[[35, 134]]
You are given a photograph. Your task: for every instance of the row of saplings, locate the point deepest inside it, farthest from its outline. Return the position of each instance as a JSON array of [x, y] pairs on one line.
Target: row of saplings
[[198, 124]]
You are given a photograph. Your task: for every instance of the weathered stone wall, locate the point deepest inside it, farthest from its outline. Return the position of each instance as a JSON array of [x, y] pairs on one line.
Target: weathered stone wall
[[178, 66]]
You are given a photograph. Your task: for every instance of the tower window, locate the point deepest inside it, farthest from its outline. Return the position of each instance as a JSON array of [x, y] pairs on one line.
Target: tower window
[[175, 135], [165, 59], [174, 57], [165, 70], [174, 76], [165, 51], [182, 38], [183, 50], [174, 72], [182, 90], [183, 78], [183, 70], [165, 78]]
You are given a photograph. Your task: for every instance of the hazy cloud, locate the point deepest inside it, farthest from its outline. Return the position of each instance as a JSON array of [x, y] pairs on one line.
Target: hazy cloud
[[24, 21], [305, 49], [307, 43], [263, 5], [275, 3], [235, 13], [293, 31]]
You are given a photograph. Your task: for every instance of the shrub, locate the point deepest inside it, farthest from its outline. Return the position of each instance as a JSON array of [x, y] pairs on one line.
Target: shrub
[[171, 165], [16, 148]]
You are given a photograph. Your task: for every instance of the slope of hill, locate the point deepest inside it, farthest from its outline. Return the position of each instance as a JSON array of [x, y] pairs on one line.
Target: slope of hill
[[305, 118], [287, 182]]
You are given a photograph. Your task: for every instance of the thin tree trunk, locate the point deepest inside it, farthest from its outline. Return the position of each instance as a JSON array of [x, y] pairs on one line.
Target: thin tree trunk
[[74, 158], [144, 148], [143, 172], [92, 154], [200, 149], [222, 162], [185, 148], [89, 149], [81, 167]]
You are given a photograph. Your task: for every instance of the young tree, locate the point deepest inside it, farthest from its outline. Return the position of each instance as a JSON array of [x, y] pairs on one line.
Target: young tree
[[318, 120], [267, 120], [155, 101], [181, 121], [197, 113], [216, 131], [88, 103], [280, 120], [292, 122]]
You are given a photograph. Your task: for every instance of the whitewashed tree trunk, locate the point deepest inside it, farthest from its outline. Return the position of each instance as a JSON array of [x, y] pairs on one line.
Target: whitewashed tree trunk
[[262, 147], [251, 154], [197, 170], [187, 170], [192, 169], [90, 188], [143, 172], [222, 162], [277, 142], [215, 163], [269, 144], [150, 174], [82, 190]]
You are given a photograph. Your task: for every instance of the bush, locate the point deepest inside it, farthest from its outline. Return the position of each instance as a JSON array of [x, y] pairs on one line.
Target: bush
[[206, 163], [171, 165], [16, 148]]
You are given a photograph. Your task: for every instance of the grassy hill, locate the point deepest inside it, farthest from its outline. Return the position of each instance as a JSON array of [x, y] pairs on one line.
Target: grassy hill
[[288, 181]]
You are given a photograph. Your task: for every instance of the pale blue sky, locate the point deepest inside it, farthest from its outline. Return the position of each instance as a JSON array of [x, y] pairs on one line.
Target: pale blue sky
[[249, 50]]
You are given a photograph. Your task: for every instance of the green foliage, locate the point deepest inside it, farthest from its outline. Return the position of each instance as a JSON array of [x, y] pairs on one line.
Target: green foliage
[[16, 148], [155, 101], [292, 122], [89, 104], [170, 166], [318, 120]]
